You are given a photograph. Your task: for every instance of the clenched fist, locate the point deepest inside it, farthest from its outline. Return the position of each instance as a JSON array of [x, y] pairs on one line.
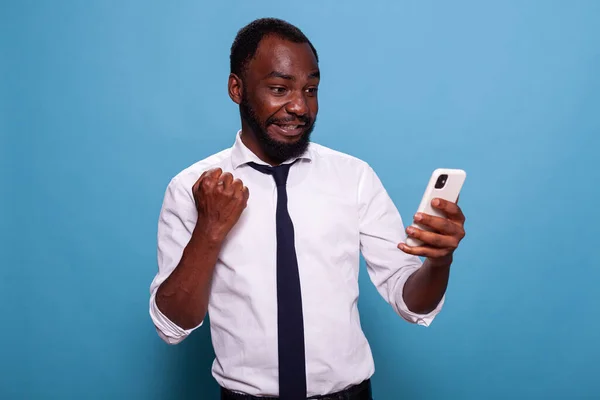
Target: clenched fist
[[220, 200]]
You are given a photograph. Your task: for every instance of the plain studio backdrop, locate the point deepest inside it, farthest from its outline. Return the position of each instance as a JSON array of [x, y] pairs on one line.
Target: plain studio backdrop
[[102, 102]]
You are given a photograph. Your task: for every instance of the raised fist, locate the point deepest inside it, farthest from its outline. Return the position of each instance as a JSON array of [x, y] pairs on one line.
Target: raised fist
[[220, 200]]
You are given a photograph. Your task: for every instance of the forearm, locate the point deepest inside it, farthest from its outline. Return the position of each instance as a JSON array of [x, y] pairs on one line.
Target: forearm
[[425, 288], [183, 296]]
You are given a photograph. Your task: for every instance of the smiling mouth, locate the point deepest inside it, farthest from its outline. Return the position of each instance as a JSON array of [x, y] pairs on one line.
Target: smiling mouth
[[288, 130]]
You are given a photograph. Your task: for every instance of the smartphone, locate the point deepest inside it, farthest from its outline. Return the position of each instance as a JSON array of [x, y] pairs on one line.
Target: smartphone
[[445, 184]]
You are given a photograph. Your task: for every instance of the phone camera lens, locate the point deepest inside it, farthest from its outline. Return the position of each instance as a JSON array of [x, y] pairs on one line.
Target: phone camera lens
[[441, 181]]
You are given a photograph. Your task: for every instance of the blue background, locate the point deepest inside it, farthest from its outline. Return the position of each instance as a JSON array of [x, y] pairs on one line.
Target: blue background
[[102, 102]]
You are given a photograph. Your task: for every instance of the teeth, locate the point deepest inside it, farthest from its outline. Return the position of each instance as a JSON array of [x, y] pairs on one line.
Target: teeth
[[289, 127]]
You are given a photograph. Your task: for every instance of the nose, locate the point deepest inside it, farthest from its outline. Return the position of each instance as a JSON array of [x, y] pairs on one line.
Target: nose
[[297, 104]]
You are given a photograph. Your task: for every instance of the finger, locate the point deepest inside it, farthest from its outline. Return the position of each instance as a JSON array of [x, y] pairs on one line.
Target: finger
[[200, 179], [224, 181], [423, 251], [196, 185], [202, 176], [208, 179], [209, 183], [438, 224], [237, 185], [433, 239], [452, 210], [241, 191], [214, 172]]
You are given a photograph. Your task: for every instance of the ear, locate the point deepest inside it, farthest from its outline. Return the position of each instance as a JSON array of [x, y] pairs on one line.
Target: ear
[[235, 88]]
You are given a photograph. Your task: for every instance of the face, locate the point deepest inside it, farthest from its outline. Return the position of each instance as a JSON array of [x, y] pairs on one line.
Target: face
[[278, 99]]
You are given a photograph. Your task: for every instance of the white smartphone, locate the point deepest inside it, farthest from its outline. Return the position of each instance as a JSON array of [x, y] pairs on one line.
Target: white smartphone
[[445, 184]]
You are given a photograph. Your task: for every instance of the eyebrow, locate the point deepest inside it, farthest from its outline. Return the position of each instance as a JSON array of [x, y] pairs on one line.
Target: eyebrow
[[276, 74]]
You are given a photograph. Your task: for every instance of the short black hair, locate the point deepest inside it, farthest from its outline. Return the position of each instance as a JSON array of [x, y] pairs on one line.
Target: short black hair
[[248, 38]]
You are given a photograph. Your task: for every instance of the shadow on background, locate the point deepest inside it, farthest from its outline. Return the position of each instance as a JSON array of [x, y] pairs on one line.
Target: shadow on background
[[190, 364]]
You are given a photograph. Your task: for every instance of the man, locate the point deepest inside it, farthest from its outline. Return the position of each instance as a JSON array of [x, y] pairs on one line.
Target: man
[[266, 237]]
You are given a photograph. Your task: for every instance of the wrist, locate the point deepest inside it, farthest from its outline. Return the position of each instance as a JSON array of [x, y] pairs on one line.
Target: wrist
[[440, 262], [208, 236]]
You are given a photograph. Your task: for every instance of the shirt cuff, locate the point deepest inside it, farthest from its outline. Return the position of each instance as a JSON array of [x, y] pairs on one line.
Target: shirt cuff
[[167, 330], [410, 316]]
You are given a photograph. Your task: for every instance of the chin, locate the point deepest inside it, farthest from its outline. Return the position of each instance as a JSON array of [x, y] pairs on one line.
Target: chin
[[284, 148], [288, 140]]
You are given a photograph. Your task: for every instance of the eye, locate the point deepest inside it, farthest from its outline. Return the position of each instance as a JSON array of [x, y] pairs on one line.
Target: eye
[[278, 90], [312, 90]]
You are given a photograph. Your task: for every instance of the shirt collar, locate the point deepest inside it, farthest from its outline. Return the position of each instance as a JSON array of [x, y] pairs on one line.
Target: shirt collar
[[240, 154]]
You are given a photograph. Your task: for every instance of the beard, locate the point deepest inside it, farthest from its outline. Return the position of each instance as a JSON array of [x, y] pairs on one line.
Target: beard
[[275, 150]]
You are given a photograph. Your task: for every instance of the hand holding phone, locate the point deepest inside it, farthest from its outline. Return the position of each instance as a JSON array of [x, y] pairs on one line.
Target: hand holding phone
[[435, 234]]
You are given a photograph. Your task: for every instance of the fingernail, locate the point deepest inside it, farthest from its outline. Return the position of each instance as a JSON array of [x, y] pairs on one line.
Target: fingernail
[[436, 202], [418, 216], [410, 230]]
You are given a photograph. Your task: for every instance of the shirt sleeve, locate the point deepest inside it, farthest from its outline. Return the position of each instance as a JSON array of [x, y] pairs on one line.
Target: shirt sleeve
[[175, 226], [381, 230]]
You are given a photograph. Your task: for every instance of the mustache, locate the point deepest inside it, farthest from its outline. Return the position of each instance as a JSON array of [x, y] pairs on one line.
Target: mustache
[[301, 118]]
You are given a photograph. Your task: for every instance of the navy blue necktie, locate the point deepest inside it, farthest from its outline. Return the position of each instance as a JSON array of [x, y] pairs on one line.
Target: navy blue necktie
[[290, 323]]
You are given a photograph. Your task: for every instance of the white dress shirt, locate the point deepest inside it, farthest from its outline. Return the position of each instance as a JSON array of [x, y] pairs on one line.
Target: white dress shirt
[[339, 209]]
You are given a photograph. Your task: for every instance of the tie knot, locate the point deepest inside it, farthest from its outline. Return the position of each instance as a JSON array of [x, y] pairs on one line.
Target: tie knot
[[280, 172]]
